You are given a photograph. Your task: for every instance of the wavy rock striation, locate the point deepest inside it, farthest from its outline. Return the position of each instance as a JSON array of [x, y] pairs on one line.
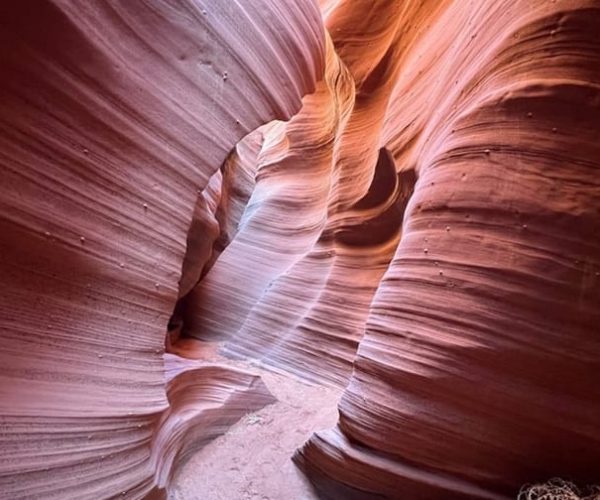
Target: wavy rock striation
[[113, 117], [477, 369], [423, 230], [457, 220]]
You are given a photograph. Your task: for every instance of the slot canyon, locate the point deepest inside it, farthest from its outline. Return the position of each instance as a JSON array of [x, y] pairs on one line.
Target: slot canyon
[[300, 249]]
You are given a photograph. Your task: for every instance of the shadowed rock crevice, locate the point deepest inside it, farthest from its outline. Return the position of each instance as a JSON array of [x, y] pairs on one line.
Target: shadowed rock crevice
[[217, 216], [381, 210]]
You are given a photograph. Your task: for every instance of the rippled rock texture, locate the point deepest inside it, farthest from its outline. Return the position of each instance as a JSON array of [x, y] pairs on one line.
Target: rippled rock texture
[[423, 230], [478, 367], [114, 115]]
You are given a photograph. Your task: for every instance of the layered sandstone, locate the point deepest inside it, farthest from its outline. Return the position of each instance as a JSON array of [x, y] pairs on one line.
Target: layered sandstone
[[422, 230], [114, 116]]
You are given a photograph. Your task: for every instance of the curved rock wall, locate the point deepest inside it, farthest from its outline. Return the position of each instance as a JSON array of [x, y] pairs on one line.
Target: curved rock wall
[[476, 372], [478, 368], [424, 230], [113, 117]]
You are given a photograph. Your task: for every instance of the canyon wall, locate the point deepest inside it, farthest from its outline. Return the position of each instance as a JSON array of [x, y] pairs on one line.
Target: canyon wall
[[478, 368], [423, 230], [114, 115], [454, 240]]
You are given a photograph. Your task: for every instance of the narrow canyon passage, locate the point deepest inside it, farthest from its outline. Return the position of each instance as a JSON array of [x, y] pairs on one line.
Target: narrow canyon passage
[[299, 249]]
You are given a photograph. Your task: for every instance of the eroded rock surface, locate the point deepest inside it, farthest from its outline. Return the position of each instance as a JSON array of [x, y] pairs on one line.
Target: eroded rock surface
[[477, 369], [464, 269], [423, 231], [113, 117]]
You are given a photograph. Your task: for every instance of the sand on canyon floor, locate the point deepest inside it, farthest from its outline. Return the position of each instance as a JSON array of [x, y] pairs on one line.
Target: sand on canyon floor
[[252, 460]]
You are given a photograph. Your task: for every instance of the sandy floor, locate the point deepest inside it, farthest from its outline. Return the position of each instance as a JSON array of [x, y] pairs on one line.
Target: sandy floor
[[253, 459]]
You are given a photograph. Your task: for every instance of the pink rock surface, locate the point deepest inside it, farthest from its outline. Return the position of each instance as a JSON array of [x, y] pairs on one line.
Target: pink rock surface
[[113, 117], [204, 400], [422, 230], [478, 294], [478, 368]]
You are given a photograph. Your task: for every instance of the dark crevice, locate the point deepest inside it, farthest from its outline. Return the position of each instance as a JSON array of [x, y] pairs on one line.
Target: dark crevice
[[236, 185], [390, 192]]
